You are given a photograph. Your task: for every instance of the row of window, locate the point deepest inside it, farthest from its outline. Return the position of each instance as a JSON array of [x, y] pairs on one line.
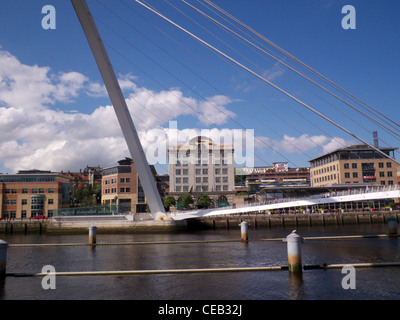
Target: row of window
[[185, 188], [203, 162], [23, 201], [185, 172], [11, 214], [114, 180], [201, 180], [114, 190], [347, 166], [33, 190]]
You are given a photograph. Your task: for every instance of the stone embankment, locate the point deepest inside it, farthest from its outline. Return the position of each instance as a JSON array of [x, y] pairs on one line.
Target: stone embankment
[[128, 224]]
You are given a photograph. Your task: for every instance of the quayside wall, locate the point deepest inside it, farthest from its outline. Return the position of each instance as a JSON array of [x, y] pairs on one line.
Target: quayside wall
[[119, 224], [291, 220]]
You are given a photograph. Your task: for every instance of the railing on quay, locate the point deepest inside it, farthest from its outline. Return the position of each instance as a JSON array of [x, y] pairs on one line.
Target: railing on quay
[[90, 211]]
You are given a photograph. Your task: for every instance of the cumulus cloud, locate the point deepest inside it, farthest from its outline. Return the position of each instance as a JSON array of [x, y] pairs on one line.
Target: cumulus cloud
[[302, 144], [35, 132]]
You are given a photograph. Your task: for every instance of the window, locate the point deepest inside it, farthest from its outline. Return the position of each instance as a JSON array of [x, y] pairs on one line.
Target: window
[[380, 164], [205, 179], [24, 190], [23, 213], [354, 165], [225, 171], [185, 180], [185, 172], [390, 174], [390, 182], [41, 190], [218, 171], [177, 171], [13, 190], [355, 175], [185, 188], [178, 180], [347, 175], [51, 190], [198, 180], [225, 188], [205, 171], [381, 174], [198, 188], [388, 164], [198, 171], [346, 166], [217, 188], [225, 179], [50, 201], [217, 179], [13, 201], [24, 201], [178, 189]]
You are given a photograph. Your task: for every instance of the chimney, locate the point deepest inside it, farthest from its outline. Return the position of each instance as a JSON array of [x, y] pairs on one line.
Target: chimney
[[375, 135]]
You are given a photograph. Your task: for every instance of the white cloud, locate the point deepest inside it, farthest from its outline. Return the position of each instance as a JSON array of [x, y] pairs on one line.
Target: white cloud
[[36, 133], [302, 144]]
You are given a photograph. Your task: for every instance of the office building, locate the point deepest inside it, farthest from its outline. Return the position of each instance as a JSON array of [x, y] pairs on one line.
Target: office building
[[202, 167], [354, 164], [32, 193]]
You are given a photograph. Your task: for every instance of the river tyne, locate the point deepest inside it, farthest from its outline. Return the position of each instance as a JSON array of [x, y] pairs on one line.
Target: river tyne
[[377, 283]]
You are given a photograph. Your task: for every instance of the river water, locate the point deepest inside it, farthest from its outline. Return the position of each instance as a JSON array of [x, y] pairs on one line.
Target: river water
[[371, 283]]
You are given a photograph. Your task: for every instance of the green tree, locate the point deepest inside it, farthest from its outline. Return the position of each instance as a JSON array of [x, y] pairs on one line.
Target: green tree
[[168, 202], [204, 201], [85, 197], [186, 201]]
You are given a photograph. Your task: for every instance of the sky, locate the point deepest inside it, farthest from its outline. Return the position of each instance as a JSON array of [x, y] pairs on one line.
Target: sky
[[55, 113]]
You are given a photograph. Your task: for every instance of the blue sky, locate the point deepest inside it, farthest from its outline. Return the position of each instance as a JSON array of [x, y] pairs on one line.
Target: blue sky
[[55, 114]]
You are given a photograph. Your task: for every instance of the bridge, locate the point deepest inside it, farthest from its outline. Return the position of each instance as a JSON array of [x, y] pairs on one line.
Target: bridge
[[346, 196], [139, 158]]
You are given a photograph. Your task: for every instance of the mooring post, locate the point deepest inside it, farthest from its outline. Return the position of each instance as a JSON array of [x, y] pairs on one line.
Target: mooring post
[[392, 224], [294, 252], [244, 228], [3, 258], [92, 235]]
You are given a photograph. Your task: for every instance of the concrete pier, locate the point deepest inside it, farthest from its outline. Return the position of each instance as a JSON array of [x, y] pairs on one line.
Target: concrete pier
[[294, 252]]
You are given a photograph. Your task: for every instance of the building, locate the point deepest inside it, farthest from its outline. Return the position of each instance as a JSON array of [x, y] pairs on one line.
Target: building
[[83, 178], [121, 186], [32, 193], [277, 175], [163, 184], [202, 167], [354, 164]]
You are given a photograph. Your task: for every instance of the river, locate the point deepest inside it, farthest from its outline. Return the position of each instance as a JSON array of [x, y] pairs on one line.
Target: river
[[371, 283]]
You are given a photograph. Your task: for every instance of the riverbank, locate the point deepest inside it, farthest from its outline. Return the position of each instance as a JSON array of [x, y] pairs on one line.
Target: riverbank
[[294, 220], [123, 224]]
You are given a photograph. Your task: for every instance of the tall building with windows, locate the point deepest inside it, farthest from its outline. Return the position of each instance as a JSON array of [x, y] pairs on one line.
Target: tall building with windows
[[32, 193], [201, 166], [354, 164], [121, 186]]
